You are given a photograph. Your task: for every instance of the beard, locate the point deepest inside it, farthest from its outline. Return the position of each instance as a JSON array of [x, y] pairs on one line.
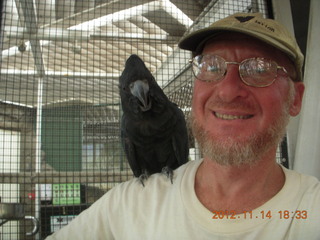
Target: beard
[[237, 150]]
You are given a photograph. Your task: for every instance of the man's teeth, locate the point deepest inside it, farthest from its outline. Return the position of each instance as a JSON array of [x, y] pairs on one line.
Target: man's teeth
[[231, 117]]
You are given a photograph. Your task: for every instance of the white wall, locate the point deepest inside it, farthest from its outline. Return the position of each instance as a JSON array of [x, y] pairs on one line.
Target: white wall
[[307, 158]]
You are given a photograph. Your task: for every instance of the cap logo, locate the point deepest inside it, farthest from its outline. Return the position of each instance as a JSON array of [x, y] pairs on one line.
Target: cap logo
[[265, 26], [244, 19]]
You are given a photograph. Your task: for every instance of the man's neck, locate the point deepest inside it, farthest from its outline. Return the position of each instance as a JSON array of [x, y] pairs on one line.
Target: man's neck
[[235, 188]]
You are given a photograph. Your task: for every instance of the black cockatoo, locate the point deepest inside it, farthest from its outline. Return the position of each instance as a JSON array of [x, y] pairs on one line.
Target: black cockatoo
[[153, 129]]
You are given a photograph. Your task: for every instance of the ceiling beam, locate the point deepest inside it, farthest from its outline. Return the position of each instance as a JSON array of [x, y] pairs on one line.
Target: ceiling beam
[[60, 34], [24, 73], [117, 16]]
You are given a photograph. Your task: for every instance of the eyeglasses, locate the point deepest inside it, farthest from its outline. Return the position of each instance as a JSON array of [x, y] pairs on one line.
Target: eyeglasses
[[256, 72]]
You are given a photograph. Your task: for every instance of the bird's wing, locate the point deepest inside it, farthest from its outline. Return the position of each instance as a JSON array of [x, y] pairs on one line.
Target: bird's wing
[[129, 149], [180, 141]]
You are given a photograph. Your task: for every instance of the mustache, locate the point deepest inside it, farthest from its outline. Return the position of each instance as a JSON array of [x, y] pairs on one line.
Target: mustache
[[235, 104]]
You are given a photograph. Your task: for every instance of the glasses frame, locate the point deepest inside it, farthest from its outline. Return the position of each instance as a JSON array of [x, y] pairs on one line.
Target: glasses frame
[[194, 63]]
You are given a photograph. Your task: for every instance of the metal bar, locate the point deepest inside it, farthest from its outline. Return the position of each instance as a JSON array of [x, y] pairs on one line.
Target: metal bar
[[133, 36], [38, 143], [60, 34], [85, 75], [49, 177], [32, 28], [54, 34]]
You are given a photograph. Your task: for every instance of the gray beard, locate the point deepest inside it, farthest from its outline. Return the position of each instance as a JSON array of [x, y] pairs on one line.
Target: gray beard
[[237, 151]]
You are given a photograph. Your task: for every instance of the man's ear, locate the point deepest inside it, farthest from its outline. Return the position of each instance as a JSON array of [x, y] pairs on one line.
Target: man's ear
[[297, 101]]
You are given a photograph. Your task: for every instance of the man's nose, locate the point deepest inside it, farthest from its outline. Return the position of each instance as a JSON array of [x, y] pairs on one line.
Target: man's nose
[[231, 86]]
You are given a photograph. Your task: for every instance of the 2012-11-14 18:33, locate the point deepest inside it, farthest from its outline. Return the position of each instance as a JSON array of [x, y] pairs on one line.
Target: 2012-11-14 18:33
[[282, 214]]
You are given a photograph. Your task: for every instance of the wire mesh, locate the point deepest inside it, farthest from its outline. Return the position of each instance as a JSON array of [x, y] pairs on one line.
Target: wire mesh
[[59, 101]]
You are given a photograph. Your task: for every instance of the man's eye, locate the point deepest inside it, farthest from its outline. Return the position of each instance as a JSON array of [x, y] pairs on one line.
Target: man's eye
[[213, 69], [260, 70]]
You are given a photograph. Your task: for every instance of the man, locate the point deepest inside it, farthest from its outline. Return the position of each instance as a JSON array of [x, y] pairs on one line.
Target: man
[[247, 84]]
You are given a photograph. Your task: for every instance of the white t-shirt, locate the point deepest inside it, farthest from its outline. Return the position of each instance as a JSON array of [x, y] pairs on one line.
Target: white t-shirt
[[162, 210]]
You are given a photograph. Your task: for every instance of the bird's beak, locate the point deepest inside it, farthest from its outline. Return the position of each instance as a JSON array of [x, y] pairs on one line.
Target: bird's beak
[[140, 89]]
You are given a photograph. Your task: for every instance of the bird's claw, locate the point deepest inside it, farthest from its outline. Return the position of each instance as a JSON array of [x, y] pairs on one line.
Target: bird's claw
[[143, 177], [168, 172]]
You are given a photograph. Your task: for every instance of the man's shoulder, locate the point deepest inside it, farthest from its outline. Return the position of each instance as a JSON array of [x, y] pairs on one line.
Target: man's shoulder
[[155, 184], [307, 181], [307, 185]]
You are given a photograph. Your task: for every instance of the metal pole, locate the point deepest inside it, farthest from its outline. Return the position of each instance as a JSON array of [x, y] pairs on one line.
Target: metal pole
[[38, 148]]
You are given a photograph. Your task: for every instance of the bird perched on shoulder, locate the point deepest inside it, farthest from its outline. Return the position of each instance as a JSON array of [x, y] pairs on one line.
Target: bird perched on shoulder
[[153, 129]]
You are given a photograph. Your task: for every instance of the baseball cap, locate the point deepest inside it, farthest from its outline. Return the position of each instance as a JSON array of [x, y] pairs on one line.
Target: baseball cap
[[255, 25]]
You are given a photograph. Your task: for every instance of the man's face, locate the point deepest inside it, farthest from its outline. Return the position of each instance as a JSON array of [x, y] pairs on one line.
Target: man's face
[[235, 123]]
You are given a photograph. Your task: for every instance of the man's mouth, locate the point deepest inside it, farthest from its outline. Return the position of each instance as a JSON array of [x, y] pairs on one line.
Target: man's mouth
[[231, 117]]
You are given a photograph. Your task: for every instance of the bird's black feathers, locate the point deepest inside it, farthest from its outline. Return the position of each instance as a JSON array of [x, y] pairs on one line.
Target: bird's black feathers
[[153, 129]]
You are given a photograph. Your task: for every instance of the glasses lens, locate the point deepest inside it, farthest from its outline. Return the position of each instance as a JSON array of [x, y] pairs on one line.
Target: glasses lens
[[209, 68], [258, 72]]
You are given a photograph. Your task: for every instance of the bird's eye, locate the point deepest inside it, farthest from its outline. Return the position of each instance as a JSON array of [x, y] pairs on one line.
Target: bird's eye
[[121, 87]]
